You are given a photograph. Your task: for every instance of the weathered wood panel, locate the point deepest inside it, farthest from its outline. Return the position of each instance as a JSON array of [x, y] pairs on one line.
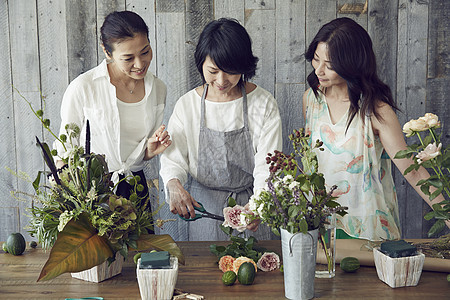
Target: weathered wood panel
[[26, 79], [8, 143], [260, 25], [82, 38], [290, 66], [229, 8], [411, 92], [198, 15], [53, 60]]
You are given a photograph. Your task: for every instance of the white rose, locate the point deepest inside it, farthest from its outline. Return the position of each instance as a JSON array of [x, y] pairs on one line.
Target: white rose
[[252, 203], [430, 152], [260, 209], [431, 119]]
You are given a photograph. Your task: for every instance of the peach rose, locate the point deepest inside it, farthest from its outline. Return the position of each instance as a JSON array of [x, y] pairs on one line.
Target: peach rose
[[226, 263], [240, 260]]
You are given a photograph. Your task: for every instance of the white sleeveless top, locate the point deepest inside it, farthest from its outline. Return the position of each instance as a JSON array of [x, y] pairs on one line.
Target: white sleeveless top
[[132, 129], [357, 163]]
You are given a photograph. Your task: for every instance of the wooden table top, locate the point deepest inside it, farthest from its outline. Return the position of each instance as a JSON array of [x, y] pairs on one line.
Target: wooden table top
[[201, 275]]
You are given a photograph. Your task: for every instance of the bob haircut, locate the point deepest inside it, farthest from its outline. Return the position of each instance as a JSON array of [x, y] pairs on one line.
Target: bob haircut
[[121, 25], [352, 57], [228, 44]]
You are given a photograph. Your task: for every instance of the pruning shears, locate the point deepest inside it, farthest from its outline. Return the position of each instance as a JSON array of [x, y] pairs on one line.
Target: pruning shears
[[203, 214]]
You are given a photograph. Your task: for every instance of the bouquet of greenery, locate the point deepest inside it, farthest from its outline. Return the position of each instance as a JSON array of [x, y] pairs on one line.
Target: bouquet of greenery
[[430, 154], [80, 217], [295, 197]]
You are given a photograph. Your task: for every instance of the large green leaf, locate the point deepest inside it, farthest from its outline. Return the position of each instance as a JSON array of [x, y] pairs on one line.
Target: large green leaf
[[77, 248], [162, 242]]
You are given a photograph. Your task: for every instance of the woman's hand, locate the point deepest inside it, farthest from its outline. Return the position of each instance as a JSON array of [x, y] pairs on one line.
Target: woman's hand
[[157, 143], [253, 226], [181, 202]]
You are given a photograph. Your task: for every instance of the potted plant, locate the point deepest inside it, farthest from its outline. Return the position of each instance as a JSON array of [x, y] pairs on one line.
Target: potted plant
[[296, 204], [79, 216]]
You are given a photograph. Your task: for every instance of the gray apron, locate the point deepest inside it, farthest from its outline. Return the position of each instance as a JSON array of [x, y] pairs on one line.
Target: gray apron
[[225, 169]]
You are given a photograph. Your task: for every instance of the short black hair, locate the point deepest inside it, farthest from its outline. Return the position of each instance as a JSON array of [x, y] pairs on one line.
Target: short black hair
[[228, 44], [120, 25]]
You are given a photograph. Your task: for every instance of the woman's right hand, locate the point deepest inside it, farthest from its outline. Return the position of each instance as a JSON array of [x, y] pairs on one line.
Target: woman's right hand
[[181, 202]]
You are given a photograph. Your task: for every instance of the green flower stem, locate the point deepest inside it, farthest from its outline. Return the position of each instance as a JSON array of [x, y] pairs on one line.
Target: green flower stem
[[325, 249], [40, 118]]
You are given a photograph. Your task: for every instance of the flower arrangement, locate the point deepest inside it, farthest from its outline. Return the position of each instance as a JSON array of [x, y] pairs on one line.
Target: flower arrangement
[[242, 249], [430, 154], [79, 216], [296, 197]]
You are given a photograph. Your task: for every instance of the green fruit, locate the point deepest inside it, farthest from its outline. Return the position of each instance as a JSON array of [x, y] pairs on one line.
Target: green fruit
[[33, 244], [136, 257], [229, 277], [349, 264], [15, 243], [5, 248], [246, 273], [448, 277]]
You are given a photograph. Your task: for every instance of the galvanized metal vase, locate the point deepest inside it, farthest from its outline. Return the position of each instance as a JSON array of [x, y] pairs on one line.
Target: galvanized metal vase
[[299, 263]]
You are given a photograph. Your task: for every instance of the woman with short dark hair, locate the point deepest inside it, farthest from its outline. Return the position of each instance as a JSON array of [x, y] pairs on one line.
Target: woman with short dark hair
[[221, 132]]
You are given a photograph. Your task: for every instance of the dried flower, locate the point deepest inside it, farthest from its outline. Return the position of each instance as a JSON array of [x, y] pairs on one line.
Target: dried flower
[[269, 261]]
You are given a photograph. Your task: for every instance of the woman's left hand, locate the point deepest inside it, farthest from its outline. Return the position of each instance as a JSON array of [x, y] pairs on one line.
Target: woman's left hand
[[253, 226], [158, 142]]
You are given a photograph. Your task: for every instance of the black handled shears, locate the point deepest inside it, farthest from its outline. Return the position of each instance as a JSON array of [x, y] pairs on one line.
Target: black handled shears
[[203, 214]]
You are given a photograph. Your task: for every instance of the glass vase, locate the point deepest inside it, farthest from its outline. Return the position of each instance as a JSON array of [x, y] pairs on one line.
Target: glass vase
[[326, 249]]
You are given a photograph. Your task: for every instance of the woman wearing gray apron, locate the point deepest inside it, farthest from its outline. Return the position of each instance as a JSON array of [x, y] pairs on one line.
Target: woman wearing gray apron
[[220, 138]]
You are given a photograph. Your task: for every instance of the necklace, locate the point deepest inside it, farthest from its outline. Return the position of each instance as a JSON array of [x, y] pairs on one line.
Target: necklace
[[132, 90]]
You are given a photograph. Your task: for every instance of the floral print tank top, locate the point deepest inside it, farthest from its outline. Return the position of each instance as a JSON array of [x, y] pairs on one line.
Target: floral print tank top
[[356, 162]]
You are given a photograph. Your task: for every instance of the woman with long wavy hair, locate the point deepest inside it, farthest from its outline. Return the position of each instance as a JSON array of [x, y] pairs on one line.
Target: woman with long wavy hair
[[352, 112]]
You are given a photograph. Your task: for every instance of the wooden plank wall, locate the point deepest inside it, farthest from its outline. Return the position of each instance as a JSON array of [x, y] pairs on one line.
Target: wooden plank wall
[[46, 44]]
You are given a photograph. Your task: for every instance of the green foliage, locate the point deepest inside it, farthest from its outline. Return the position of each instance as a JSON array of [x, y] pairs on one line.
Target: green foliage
[[76, 212], [296, 197], [239, 247], [436, 159]]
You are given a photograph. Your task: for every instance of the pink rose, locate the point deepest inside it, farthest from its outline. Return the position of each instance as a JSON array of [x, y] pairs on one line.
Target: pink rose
[[269, 261], [431, 151], [234, 217]]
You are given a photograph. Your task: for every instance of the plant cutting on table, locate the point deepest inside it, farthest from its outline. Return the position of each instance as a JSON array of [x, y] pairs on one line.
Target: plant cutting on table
[[79, 216]]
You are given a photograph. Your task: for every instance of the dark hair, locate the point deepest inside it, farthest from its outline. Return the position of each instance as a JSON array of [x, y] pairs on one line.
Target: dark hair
[[228, 44], [352, 58], [120, 25]]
